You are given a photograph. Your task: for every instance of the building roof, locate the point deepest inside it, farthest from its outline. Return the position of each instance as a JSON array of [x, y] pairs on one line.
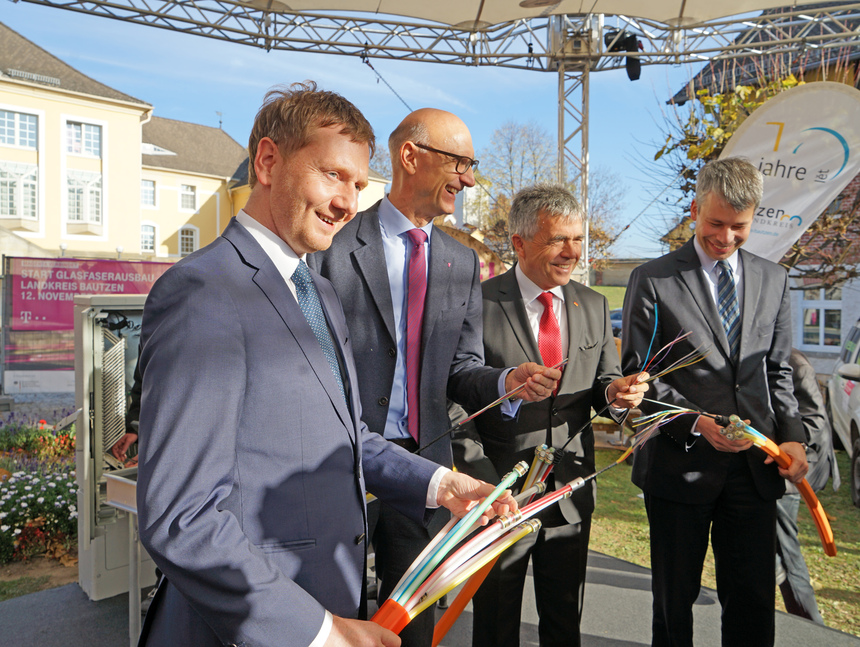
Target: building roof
[[23, 60], [183, 146], [725, 74]]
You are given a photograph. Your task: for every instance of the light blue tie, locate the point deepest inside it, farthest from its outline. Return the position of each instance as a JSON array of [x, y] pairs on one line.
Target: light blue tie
[[730, 314], [309, 302]]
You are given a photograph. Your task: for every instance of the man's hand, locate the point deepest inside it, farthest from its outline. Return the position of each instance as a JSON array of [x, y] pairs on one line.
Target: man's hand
[[121, 446], [540, 381], [359, 633], [710, 430], [627, 392], [459, 493], [796, 472]]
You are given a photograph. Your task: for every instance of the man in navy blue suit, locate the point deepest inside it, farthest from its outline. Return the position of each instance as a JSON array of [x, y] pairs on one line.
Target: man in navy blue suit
[[253, 461]]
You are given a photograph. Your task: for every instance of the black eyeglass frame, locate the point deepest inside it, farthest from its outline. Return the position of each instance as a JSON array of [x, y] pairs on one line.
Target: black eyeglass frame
[[459, 159]]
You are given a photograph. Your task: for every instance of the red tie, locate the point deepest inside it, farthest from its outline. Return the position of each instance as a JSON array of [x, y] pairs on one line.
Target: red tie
[[549, 335], [416, 289]]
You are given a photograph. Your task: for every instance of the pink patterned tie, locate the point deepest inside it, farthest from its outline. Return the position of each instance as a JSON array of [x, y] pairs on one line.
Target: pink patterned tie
[[549, 335], [416, 290]]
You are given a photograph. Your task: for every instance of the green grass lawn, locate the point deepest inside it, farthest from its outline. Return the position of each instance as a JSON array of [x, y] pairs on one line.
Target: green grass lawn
[[613, 294], [620, 529]]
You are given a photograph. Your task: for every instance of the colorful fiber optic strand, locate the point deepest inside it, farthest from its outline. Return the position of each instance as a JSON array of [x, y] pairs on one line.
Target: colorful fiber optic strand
[[737, 429], [510, 394], [544, 461]]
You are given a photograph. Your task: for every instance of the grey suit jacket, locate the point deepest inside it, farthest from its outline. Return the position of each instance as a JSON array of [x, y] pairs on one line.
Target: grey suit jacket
[[452, 361], [670, 294], [253, 468], [593, 364]]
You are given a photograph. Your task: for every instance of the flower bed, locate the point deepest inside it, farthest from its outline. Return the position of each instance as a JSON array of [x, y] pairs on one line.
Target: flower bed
[[38, 493]]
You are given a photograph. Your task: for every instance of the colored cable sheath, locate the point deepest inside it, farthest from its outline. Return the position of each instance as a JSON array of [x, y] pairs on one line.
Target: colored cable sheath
[[444, 624], [492, 404], [422, 570], [476, 563], [738, 429]]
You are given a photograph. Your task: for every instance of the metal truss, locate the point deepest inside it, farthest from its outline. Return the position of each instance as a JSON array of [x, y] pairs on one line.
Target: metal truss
[[536, 43]]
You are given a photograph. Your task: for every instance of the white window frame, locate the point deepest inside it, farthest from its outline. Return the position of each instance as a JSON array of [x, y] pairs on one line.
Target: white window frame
[[154, 227], [91, 185], [821, 304], [85, 128], [154, 203], [183, 193], [76, 229], [20, 176], [18, 131], [189, 231]]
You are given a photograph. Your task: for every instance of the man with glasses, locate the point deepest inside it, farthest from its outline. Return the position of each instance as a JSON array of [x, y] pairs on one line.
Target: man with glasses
[[412, 298]]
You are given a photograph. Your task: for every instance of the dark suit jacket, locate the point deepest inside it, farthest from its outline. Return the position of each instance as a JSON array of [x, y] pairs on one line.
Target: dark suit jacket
[[253, 469], [671, 294], [593, 364], [451, 351]]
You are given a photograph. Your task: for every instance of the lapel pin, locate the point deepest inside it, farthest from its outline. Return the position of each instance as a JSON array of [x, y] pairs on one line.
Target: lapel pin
[[576, 304], [449, 264]]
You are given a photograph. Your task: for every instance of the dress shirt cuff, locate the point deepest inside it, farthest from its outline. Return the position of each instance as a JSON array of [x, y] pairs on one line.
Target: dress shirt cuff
[[433, 488], [619, 414], [508, 408], [324, 631]]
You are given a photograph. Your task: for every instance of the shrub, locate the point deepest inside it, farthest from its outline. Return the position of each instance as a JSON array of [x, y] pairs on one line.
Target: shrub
[[38, 505]]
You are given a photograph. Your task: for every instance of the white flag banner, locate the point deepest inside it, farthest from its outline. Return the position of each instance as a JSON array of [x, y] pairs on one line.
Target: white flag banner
[[806, 143]]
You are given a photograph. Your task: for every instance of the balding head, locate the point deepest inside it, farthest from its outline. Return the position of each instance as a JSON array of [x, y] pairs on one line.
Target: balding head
[[426, 182]]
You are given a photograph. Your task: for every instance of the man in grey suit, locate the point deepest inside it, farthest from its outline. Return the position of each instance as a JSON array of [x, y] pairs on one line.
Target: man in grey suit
[[370, 266], [696, 482], [524, 309], [253, 462]]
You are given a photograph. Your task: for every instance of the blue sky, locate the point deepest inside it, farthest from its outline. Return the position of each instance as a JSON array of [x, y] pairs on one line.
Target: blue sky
[[191, 78]]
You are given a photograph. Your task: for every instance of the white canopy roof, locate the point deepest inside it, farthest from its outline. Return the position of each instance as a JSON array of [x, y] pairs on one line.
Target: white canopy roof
[[465, 13]]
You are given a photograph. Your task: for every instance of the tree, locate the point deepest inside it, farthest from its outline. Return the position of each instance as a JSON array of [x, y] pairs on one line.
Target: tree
[[827, 253], [520, 155]]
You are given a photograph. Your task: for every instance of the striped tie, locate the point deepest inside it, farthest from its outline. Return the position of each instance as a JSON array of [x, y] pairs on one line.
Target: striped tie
[[727, 301]]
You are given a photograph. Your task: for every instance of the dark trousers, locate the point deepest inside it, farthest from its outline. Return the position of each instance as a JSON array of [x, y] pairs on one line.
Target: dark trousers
[[743, 535], [558, 555], [797, 591], [397, 541]]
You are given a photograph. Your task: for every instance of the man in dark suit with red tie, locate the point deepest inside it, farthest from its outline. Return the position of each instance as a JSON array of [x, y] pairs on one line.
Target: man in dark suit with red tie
[[534, 312]]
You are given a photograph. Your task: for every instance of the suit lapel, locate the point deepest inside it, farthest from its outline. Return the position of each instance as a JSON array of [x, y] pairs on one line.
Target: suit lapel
[[273, 286], [438, 280], [371, 263], [753, 280], [575, 327], [511, 302], [690, 270]]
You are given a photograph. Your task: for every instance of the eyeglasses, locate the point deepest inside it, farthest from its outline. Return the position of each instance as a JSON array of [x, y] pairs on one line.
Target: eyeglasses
[[463, 163]]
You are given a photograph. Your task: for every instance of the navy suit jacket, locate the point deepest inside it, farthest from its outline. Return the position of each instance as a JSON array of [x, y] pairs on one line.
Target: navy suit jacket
[[670, 294], [592, 364], [452, 357], [251, 490]]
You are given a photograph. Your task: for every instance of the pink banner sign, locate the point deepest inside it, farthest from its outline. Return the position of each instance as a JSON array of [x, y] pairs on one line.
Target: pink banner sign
[[43, 289]]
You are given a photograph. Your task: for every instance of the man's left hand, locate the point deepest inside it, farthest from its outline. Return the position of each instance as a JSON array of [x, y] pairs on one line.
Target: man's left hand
[[627, 392], [540, 381], [796, 472], [460, 493]]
